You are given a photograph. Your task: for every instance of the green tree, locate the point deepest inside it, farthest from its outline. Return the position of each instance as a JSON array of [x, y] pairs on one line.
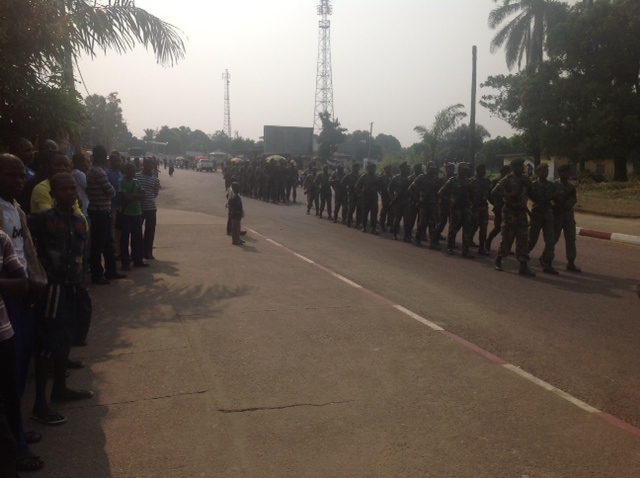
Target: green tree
[[171, 136], [106, 125], [524, 33], [389, 144], [220, 142], [445, 121], [456, 142], [492, 152], [330, 137]]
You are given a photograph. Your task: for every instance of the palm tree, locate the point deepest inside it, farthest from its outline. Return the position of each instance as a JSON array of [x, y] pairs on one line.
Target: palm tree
[[444, 122], [523, 36], [119, 26]]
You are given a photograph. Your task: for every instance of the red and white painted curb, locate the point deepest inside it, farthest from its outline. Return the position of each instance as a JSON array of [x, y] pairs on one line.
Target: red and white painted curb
[[608, 236], [610, 419]]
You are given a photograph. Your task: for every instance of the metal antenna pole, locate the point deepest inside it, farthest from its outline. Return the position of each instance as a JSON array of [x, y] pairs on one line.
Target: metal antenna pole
[[227, 107], [324, 84]]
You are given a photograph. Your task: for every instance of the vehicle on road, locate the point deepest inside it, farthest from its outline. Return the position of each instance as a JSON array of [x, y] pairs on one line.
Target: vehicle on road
[[205, 164]]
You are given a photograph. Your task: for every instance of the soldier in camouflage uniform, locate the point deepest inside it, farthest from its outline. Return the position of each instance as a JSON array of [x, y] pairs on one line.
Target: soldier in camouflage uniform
[[323, 181], [414, 208], [544, 193], [386, 217], [367, 191], [443, 213], [348, 185], [515, 189], [399, 193], [340, 196], [565, 221], [480, 192], [497, 203], [311, 190], [424, 191], [456, 192]]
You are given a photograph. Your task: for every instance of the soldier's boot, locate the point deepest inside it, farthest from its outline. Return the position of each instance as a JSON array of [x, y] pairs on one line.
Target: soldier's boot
[[571, 267], [466, 253], [482, 251], [407, 237], [549, 269], [450, 246], [497, 264], [335, 218], [417, 242], [525, 271], [435, 246], [308, 210]]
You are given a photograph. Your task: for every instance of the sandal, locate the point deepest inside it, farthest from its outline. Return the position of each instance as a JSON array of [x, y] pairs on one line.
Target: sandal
[[32, 437], [71, 394], [27, 461], [48, 417]]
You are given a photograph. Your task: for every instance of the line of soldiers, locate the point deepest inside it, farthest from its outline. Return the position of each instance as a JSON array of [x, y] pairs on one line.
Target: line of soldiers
[[460, 199], [271, 181]]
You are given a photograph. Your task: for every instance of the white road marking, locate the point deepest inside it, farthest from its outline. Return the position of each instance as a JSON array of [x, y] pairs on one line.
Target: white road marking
[[274, 242], [415, 316], [303, 258], [350, 282]]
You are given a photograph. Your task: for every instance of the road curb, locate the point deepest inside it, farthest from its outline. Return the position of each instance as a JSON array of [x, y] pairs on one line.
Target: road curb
[[608, 236]]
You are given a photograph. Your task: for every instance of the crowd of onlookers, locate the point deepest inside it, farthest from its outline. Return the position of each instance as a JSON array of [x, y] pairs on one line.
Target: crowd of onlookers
[[63, 220]]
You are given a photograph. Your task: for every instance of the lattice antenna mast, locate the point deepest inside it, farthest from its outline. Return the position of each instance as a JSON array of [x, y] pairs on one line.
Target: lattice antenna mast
[[324, 84], [227, 107]]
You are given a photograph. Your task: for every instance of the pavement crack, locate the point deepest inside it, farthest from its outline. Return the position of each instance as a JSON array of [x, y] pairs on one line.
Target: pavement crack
[[281, 407]]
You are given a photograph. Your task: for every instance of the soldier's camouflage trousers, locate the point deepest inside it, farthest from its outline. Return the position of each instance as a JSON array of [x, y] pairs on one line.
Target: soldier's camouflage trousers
[[515, 225], [543, 221], [460, 219], [565, 222], [480, 219], [428, 218]]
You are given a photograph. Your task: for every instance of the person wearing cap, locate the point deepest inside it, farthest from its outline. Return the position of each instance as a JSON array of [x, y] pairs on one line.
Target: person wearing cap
[[424, 191], [456, 191], [515, 189], [323, 181], [443, 213], [340, 199], [386, 216], [544, 193], [564, 219], [497, 203], [480, 187], [367, 191], [399, 193], [349, 186], [311, 190]]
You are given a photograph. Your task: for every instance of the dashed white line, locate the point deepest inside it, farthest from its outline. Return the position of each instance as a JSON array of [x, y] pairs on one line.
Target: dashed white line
[[350, 282], [303, 258], [415, 316], [274, 242]]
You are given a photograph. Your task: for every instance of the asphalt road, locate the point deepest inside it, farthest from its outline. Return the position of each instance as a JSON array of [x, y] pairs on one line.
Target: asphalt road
[[579, 332], [291, 357]]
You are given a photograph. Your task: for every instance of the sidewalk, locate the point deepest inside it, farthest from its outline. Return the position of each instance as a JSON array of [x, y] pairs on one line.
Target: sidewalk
[[217, 361]]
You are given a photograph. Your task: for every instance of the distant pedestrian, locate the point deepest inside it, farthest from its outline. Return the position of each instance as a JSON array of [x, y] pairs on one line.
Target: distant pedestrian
[[150, 183]]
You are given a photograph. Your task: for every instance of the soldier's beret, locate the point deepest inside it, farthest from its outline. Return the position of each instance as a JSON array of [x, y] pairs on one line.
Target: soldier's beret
[[515, 162], [564, 168]]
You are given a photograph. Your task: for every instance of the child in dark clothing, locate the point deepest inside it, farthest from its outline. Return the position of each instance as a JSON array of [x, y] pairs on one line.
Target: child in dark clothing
[[236, 213]]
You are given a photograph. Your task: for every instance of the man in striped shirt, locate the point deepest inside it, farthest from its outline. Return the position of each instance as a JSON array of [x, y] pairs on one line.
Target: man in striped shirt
[[151, 186], [100, 191]]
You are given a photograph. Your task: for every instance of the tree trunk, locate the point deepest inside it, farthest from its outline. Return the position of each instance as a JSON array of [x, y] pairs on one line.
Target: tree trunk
[[620, 169]]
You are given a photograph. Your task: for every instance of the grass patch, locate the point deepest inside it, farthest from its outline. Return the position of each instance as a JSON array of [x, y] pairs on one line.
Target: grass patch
[[610, 199]]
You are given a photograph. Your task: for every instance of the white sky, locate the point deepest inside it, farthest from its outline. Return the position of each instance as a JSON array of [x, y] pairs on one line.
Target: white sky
[[395, 64]]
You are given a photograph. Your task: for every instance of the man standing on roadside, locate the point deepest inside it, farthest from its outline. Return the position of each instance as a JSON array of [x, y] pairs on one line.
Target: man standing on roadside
[[151, 187], [564, 219], [114, 174], [100, 192]]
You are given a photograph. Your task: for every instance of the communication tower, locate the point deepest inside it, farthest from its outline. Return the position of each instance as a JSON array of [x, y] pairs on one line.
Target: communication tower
[[324, 84], [227, 107]]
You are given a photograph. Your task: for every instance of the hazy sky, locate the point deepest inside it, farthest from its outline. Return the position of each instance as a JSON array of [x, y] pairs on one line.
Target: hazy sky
[[395, 64]]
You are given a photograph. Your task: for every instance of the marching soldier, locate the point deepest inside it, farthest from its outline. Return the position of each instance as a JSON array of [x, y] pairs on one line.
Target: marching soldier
[[515, 189], [349, 186], [449, 169], [414, 208], [424, 191], [399, 192], [565, 221], [323, 181], [367, 190], [544, 192], [497, 203], [311, 190], [339, 192], [480, 191], [457, 194], [386, 218]]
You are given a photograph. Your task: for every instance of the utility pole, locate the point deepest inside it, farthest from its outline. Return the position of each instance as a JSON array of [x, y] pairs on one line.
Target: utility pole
[[472, 119], [227, 107], [324, 82], [370, 141]]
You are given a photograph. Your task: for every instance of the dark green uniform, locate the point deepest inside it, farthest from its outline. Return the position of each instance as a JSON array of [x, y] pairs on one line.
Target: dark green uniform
[[399, 192], [480, 190], [564, 219], [367, 192], [311, 190], [386, 216], [339, 194], [514, 191], [323, 181], [543, 193], [424, 191], [456, 191], [349, 186]]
